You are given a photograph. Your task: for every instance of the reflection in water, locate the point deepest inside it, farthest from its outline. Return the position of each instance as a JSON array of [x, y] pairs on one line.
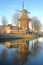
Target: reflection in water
[[35, 48], [22, 52], [3, 56], [16, 58]]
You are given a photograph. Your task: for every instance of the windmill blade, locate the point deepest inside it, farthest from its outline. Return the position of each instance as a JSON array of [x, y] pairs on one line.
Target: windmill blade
[[28, 12], [18, 10]]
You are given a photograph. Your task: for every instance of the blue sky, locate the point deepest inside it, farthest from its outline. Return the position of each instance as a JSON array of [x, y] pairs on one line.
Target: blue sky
[[34, 6]]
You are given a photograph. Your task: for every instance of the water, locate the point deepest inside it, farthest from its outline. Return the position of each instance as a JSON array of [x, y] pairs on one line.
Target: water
[[22, 52]]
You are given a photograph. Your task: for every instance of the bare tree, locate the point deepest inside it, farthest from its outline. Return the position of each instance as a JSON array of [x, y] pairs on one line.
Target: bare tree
[[15, 18], [4, 22], [36, 25]]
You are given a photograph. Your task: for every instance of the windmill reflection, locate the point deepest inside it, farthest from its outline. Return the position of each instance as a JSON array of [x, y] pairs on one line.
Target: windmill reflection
[[21, 55], [24, 51]]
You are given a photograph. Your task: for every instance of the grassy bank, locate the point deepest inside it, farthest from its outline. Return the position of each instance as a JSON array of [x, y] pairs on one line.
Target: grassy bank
[[8, 37], [27, 36]]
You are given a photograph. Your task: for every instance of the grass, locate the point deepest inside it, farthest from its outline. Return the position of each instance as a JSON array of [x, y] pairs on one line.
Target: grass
[[8, 37], [27, 36]]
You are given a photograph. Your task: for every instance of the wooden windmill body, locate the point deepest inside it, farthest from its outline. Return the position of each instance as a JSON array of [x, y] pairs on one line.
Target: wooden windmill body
[[24, 20]]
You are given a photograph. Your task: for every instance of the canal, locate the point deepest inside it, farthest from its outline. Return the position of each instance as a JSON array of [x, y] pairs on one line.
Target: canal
[[22, 52]]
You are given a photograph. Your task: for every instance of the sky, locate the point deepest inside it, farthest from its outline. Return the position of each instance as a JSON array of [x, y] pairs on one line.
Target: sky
[[7, 8]]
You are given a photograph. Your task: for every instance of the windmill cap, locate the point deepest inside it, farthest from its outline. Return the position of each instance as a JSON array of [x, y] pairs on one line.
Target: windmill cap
[[25, 10]]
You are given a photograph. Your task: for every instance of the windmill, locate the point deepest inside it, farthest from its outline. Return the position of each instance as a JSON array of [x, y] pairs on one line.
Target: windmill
[[24, 20], [22, 9]]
